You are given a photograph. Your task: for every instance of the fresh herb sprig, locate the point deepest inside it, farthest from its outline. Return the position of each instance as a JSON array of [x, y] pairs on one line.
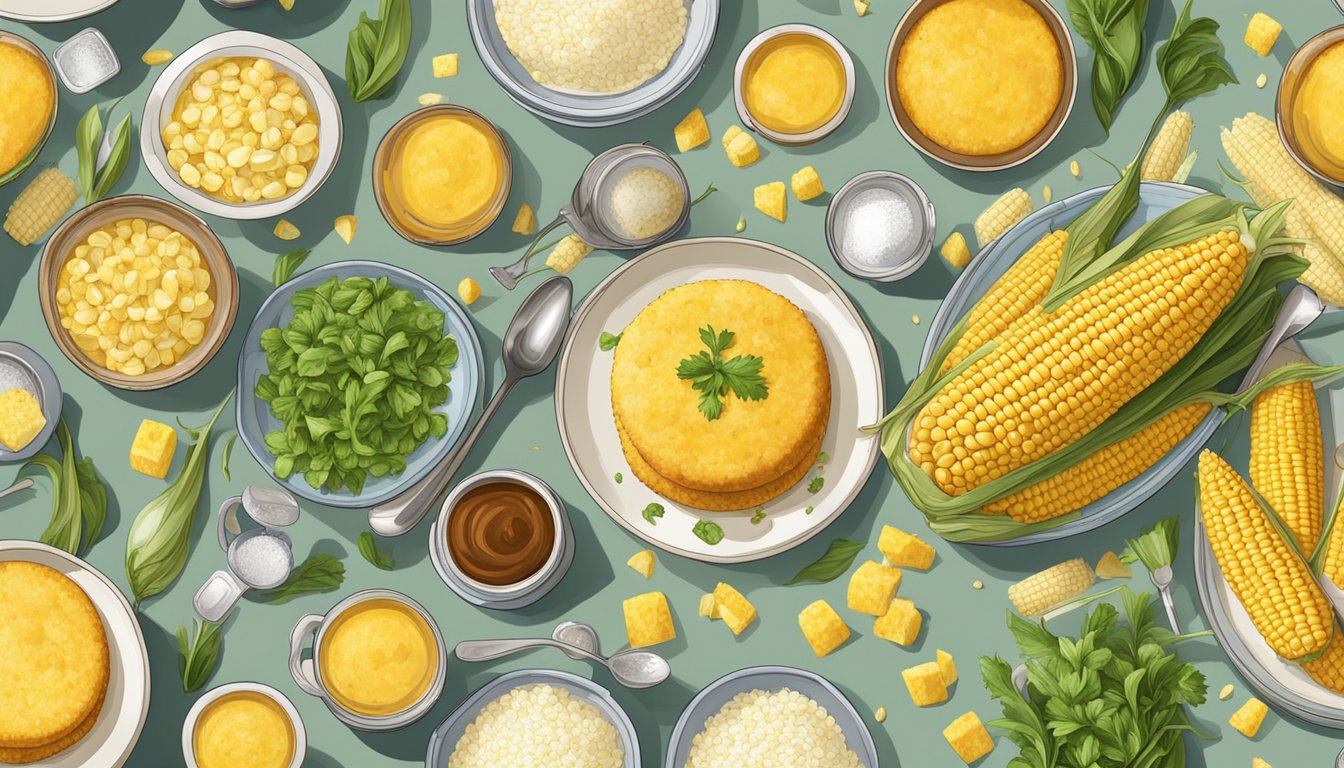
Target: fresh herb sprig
[[708, 531], [653, 512], [368, 548], [830, 566], [96, 180], [79, 498], [1114, 30], [319, 573], [286, 264], [714, 377], [1156, 546], [197, 654], [377, 50]]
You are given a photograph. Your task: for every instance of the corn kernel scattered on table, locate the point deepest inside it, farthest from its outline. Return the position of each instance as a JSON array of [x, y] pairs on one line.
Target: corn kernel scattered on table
[[822, 626], [901, 623], [345, 227], [429, 99], [905, 550], [871, 588], [648, 620], [135, 296], [643, 562], [156, 57], [925, 683], [968, 738], [733, 607], [286, 230], [525, 221], [153, 448], [1249, 718], [771, 200], [445, 65], [21, 418], [806, 184], [1262, 31], [692, 131], [1257, 762]]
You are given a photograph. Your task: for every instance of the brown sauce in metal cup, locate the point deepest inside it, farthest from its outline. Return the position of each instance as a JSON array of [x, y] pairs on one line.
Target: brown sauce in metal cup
[[500, 533]]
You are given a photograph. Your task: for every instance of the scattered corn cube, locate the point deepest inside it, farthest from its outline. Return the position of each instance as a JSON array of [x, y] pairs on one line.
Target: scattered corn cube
[[345, 227], [643, 563], [692, 131], [1248, 719], [770, 200], [1057, 584], [468, 290], [1110, 567], [286, 231], [429, 99], [901, 623], [861, 6], [806, 184], [905, 550], [735, 610], [925, 682], [948, 665], [153, 448], [822, 626], [743, 149], [445, 65], [872, 587], [525, 222], [156, 57], [648, 620], [732, 133], [1257, 762], [40, 205], [968, 738], [1261, 33], [709, 607], [955, 251], [20, 418]]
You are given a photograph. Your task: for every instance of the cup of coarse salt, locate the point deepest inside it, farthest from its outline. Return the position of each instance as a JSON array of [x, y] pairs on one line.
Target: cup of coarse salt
[[258, 558], [879, 226]]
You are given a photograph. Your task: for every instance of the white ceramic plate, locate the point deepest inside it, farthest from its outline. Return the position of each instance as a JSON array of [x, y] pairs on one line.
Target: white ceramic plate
[[588, 429], [109, 743], [51, 10], [1282, 683]]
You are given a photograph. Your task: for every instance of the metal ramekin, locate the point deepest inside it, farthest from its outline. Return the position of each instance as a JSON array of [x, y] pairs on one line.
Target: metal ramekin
[[998, 162], [1297, 66], [921, 210], [215, 694], [744, 61], [287, 58]]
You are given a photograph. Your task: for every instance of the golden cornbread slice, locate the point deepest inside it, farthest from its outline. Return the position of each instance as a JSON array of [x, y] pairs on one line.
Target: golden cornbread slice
[[980, 77], [752, 442], [53, 656], [25, 755], [26, 98]]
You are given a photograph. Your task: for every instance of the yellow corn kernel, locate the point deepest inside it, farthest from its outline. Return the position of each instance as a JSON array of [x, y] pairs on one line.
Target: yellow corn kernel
[[1057, 584], [1257, 762], [153, 448], [1287, 458], [692, 131], [1047, 194], [1169, 148], [1002, 214], [880, 715], [822, 626], [525, 222], [1260, 82], [429, 99], [905, 550], [648, 620], [39, 206], [1226, 692], [861, 7], [1271, 579], [734, 608], [21, 418], [806, 184], [156, 57], [968, 738], [1328, 670], [872, 587], [1075, 169], [1248, 719], [948, 666], [925, 683], [1262, 32], [287, 5], [468, 290], [742, 149], [345, 227], [901, 623], [445, 65], [1111, 567], [567, 254], [642, 562], [771, 200], [285, 230]]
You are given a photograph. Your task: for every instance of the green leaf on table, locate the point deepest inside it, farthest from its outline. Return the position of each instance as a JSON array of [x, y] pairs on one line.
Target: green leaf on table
[[198, 654], [377, 49], [319, 573], [1114, 31], [831, 565], [286, 264], [368, 547]]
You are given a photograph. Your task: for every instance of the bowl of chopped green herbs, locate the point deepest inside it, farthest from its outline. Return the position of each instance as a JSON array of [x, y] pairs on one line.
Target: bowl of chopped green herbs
[[362, 376]]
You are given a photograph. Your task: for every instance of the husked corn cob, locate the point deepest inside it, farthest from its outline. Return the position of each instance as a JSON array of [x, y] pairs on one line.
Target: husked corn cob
[[1019, 290], [1042, 591], [1055, 377], [1002, 214], [40, 205], [1270, 578], [1286, 458], [1169, 148], [567, 254], [1328, 670], [1103, 471]]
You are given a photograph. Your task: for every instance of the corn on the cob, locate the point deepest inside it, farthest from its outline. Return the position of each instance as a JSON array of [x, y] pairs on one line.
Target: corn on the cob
[[1328, 670], [1169, 148], [1002, 214], [1055, 377], [1103, 471], [39, 206], [1286, 458], [567, 254], [1019, 290], [1269, 577], [1057, 584]]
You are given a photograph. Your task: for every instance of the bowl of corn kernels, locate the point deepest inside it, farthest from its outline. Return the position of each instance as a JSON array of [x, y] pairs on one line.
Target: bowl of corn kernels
[[241, 125], [137, 292]]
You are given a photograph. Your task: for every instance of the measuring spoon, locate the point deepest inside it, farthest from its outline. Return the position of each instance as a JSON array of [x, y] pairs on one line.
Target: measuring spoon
[[632, 669]]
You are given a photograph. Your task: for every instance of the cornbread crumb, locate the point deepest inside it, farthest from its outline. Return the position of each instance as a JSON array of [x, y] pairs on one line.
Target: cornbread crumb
[[1249, 718], [968, 738]]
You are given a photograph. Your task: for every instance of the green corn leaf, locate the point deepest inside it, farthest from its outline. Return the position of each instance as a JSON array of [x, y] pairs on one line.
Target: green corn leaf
[[320, 573], [831, 565], [368, 548], [112, 169], [88, 135], [286, 264], [198, 654]]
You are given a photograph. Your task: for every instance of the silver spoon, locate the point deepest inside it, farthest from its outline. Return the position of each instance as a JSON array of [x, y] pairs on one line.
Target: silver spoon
[[632, 669], [1300, 309], [530, 344], [1161, 579], [579, 635], [26, 482]]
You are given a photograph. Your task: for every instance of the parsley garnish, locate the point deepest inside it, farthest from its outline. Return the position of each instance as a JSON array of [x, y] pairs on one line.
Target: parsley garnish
[[653, 512], [815, 484], [713, 377], [758, 516], [607, 342], [708, 532]]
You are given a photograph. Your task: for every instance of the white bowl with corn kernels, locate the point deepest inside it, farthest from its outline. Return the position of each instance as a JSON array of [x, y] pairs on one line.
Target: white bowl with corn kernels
[[241, 125]]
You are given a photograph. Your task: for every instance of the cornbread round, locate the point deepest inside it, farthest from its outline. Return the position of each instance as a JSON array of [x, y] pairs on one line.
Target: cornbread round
[[55, 656], [24, 755], [980, 77], [26, 99], [753, 442]]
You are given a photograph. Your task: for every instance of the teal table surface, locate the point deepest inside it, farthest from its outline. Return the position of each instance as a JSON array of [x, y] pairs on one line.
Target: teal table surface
[[547, 160]]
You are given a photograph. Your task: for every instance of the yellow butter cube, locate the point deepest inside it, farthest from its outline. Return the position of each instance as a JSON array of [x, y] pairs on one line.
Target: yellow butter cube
[[648, 620], [925, 682], [642, 562], [1262, 32], [871, 588], [955, 251], [445, 65], [20, 418], [468, 290], [901, 623], [904, 550], [1257, 762], [735, 610], [968, 738], [153, 448], [822, 626], [285, 230], [709, 607], [345, 227], [692, 131], [806, 184], [948, 665], [1248, 719], [525, 223], [743, 150], [770, 200]]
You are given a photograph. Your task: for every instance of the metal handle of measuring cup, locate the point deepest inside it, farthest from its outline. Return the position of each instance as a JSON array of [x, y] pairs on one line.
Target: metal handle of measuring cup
[[510, 275], [220, 529], [298, 640]]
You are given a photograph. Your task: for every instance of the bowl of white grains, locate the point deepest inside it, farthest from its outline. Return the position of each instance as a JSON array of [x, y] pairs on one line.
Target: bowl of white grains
[[536, 717], [770, 716], [879, 226]]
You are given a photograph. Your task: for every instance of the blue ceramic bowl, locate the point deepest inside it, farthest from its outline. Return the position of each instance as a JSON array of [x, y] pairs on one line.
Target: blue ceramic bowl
[[464, 391]]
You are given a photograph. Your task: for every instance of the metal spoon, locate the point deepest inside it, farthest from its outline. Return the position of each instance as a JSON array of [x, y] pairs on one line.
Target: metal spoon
[[1300, 309], [530, 344], [579, 635], [26, 482], [1161, 579], [632, 669]]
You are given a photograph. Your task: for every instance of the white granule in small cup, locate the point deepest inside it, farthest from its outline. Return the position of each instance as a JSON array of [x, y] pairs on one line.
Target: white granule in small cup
[[761, 729], [644, 202], [539, 726]]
